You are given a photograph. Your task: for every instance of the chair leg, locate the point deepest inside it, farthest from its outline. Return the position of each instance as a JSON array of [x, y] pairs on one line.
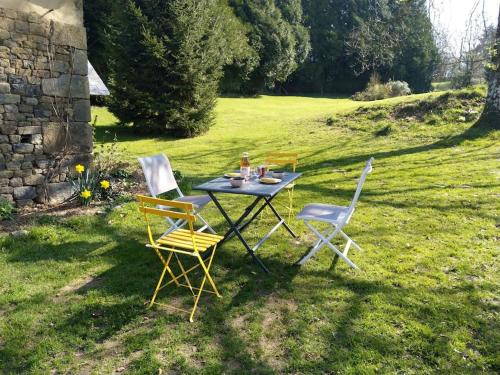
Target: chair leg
[[326, 241], [350, 239], [318, 245], [206, 269]]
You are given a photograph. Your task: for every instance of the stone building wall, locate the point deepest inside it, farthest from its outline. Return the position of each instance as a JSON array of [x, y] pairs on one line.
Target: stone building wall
[[44, 106]]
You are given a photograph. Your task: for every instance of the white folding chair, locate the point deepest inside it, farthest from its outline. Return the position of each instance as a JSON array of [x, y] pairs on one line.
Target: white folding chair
[[160, 179], [337, 217]]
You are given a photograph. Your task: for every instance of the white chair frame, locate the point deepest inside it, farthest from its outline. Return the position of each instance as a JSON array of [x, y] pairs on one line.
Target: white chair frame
[[335, 226], [163, 182]]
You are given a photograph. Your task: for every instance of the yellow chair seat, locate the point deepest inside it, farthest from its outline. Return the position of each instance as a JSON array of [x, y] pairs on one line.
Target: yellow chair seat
[[290, 186], [182, 239]]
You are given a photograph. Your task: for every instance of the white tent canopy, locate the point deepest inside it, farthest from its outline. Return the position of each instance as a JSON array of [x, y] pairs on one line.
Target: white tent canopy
[[96, 85]]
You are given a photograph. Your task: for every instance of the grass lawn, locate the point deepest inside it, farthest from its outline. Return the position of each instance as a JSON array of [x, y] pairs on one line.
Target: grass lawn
[[425, 299]]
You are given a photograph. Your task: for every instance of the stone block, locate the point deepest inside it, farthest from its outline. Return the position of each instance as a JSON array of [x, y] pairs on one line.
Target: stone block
[[81, 110], [80, 62], [6, 189], [13, 165], [65, 86], [23, 148], [18, 88], [22, 27], [69, 35], [24, 192], [15, 138], [4, 139], [30, 130], [42, 163], [13, 99], [4, 182], [11, 108], [24, 108], [4, 34], [34, 180], [80, 138], [6, 174], [17, 157], [27, 165], [11, 116], [54, 137], [40, 29], [31, 101], [16, 182], [59, 192], [23, 172], [5, 148], [4, 88], [7, 129]]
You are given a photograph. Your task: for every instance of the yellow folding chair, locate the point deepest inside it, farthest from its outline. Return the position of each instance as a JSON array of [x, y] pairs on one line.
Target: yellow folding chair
[[179, 242], [282, 160]]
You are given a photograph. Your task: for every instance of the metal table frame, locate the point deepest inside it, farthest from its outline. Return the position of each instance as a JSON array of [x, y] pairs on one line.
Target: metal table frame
[[238, 226]]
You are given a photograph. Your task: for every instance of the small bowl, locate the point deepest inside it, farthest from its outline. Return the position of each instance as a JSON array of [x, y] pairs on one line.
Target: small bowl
[[278, 174], [237, 182]]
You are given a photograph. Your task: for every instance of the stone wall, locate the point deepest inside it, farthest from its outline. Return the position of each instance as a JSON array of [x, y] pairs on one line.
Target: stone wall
[[44, 106]]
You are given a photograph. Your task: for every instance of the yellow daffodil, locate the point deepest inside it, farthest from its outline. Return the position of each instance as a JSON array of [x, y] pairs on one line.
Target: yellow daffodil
[[86, 194], [79, 168], [105, 184]]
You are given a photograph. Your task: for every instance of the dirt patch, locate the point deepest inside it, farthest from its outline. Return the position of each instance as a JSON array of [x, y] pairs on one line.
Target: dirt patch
[[79, 285], [273, 328]]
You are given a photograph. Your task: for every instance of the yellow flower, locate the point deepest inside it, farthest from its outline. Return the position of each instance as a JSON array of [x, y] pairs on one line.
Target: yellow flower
[[86, 194], [105, 184], [80, 168]]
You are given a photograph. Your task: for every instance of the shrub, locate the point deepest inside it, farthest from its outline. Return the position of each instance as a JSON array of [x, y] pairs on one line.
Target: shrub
[[398, 88], [376, 90], [6, 209], [330, 121]]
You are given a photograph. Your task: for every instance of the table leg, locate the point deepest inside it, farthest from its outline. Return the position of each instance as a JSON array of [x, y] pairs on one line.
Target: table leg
[[234, 227], [268, 203]]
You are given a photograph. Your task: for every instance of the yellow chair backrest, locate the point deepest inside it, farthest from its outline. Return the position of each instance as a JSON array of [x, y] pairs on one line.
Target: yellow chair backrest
[[283, 159], [185, 212]]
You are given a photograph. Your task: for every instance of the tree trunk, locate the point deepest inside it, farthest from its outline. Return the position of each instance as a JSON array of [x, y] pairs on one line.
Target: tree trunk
[[491, 113]]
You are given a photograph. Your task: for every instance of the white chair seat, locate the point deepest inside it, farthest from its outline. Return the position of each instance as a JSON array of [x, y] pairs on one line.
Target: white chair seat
[[323, 212], [198, 201]]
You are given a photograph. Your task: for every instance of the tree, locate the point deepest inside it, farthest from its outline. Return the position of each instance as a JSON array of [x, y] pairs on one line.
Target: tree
[[351, 39], [168, 58], [416, 55], [491, 112], [278, 38]]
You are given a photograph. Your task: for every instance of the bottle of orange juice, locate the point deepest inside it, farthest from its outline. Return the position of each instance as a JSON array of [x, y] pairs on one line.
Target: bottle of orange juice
[[245, 166]]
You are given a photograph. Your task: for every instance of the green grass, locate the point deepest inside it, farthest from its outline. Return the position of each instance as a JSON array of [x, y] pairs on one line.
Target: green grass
[[424, 300]]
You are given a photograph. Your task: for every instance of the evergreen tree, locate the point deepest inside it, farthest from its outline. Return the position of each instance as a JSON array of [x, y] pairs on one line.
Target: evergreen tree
[[167, 61], [278, 38], [417, 55]]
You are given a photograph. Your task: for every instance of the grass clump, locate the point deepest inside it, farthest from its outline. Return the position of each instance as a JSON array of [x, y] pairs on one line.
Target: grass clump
[[6, 209]]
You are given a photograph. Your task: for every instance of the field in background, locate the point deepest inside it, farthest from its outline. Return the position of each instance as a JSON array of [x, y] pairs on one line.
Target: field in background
[[425, 298]]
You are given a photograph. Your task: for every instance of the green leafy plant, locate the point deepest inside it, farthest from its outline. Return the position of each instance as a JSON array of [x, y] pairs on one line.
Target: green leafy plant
[[6, 209], [89, 185]]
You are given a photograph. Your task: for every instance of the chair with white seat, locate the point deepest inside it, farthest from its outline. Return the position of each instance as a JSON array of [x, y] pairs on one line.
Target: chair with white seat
[[337, 217], [160, 179]]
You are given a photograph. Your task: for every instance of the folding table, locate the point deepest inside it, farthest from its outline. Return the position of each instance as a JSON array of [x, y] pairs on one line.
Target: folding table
[[261, 192]]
